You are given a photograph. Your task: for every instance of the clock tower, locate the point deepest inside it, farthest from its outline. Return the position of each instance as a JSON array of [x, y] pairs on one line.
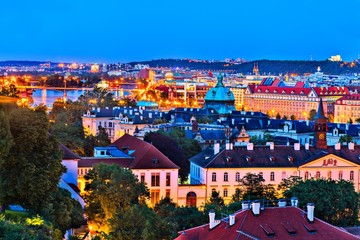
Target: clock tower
[[320, 128]]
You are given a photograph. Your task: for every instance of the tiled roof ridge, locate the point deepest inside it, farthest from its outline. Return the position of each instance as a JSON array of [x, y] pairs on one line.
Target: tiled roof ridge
[[215, 157]]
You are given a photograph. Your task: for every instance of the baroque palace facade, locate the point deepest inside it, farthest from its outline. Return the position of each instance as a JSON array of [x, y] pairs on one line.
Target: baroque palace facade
[[272, 97]]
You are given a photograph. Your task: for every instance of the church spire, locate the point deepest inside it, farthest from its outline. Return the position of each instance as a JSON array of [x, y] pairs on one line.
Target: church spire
[[320, 112]]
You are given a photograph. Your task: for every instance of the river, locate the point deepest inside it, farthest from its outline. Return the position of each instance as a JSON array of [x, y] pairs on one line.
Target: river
[[48, 96]]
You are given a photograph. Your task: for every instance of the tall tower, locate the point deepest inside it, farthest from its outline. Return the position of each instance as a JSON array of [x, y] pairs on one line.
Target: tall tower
[[320, 128], [256, 69]]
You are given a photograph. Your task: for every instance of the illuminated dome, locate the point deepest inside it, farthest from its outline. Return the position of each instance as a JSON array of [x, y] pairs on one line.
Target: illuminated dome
[[169, 76], [220, 98]]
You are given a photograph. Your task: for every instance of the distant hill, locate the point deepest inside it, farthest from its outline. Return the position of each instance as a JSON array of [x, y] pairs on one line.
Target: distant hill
[[265, 66], [20, 63]]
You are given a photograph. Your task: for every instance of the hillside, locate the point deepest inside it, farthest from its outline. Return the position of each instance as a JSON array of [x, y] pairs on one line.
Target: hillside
[[265, 66]]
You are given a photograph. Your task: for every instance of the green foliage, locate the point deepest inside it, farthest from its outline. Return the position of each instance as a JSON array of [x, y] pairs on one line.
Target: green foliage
[[286, 184], [284, 117], [293, 117], [253, 188], [350, 121], [34, 229], [336, 202], [312, 114], [63, 211], [345, 139], [99, 97], [32, 168], [159, 121], [205, 120], [258, 140], [357, 120], [112, 191], [6, 141], [278, 116], [215, 199]]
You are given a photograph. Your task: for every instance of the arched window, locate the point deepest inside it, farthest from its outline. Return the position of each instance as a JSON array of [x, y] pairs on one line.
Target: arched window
[[306, 177], [213, 177], [329, 175], [272, 176], [191, 199], [283, 175], [237, 177], [225, 192], [351, 175], [226, 177], [317, 176], [340, 175]]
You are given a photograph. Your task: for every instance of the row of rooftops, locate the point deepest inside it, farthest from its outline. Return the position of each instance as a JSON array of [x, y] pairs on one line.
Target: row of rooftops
[[255, 221], [270, 156]]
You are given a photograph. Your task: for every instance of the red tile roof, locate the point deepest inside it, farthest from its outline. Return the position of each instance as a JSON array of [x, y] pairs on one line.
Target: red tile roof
[[282, 90], [278, 220], [331, 91], [146, 156]]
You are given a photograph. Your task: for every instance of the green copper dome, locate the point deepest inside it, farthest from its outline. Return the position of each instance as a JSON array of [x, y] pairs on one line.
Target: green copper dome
[[219, 92], [220, 98]]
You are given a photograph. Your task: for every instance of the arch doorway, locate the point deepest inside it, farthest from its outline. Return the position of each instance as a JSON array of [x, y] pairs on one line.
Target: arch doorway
[[191, 199]]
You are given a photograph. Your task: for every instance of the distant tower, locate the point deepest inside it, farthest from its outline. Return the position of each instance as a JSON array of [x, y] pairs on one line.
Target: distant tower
[[320, 128], [256, 69]]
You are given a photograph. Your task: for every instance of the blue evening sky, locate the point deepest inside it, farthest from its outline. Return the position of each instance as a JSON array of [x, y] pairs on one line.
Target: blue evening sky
[[121, 31]]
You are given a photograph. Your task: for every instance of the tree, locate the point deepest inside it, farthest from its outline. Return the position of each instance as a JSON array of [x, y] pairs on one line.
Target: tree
[[286, 184], [215, 199], [9, 91], [278, 116], [345, 139], [111, 193], [312, 114], [258, 140], [100, 140], [336, 202], [32, 169], [293, 117], [357, 120], [63, 211], [6, 140], [284, 117], [252, 187], [350, 121]]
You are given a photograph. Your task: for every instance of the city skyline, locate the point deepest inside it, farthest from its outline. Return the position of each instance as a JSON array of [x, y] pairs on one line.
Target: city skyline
[[111, 31]]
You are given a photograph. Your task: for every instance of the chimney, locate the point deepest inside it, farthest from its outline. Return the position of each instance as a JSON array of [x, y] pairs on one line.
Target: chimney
[[294, 201], [337, 146], [231, 219], [227, 146], [282, 203], [296, 146], [233, 121], [351, 145], [307, 146], [216, 148], [245, 205], [255, 207], [212, 222], [250, 146], [271, 144], [98, 109], [310, 212]]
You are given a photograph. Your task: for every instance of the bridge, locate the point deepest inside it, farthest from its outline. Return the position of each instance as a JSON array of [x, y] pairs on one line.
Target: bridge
[[54, 88]]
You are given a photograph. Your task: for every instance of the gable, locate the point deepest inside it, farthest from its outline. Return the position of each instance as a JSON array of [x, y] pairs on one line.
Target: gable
[[312, 93], [330, 160]]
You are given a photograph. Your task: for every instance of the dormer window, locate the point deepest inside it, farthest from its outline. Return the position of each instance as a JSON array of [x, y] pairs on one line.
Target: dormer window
[[272, 159], [155, 161], [275, 91], [292, 92], [248, 158], [291, 159], [283, 91]]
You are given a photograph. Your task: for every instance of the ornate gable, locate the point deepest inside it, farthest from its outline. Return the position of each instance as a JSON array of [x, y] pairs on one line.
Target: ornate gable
[[329, 161]]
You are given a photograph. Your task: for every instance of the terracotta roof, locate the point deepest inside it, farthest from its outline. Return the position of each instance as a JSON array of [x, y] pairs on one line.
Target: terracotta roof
[[67, 153], [146, 155], [88, 162], [282, 156], [282, 90], [279, 221], [347, 97], [331, 91]]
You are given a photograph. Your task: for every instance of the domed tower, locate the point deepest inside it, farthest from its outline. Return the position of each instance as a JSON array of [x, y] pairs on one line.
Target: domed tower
[[220, 98], [320, 128]]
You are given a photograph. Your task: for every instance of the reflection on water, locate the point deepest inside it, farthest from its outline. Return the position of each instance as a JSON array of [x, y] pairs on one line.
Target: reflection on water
[[48, 96]]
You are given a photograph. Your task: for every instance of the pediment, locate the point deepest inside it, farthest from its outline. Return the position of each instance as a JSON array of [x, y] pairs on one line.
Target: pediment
[[329, 160]]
